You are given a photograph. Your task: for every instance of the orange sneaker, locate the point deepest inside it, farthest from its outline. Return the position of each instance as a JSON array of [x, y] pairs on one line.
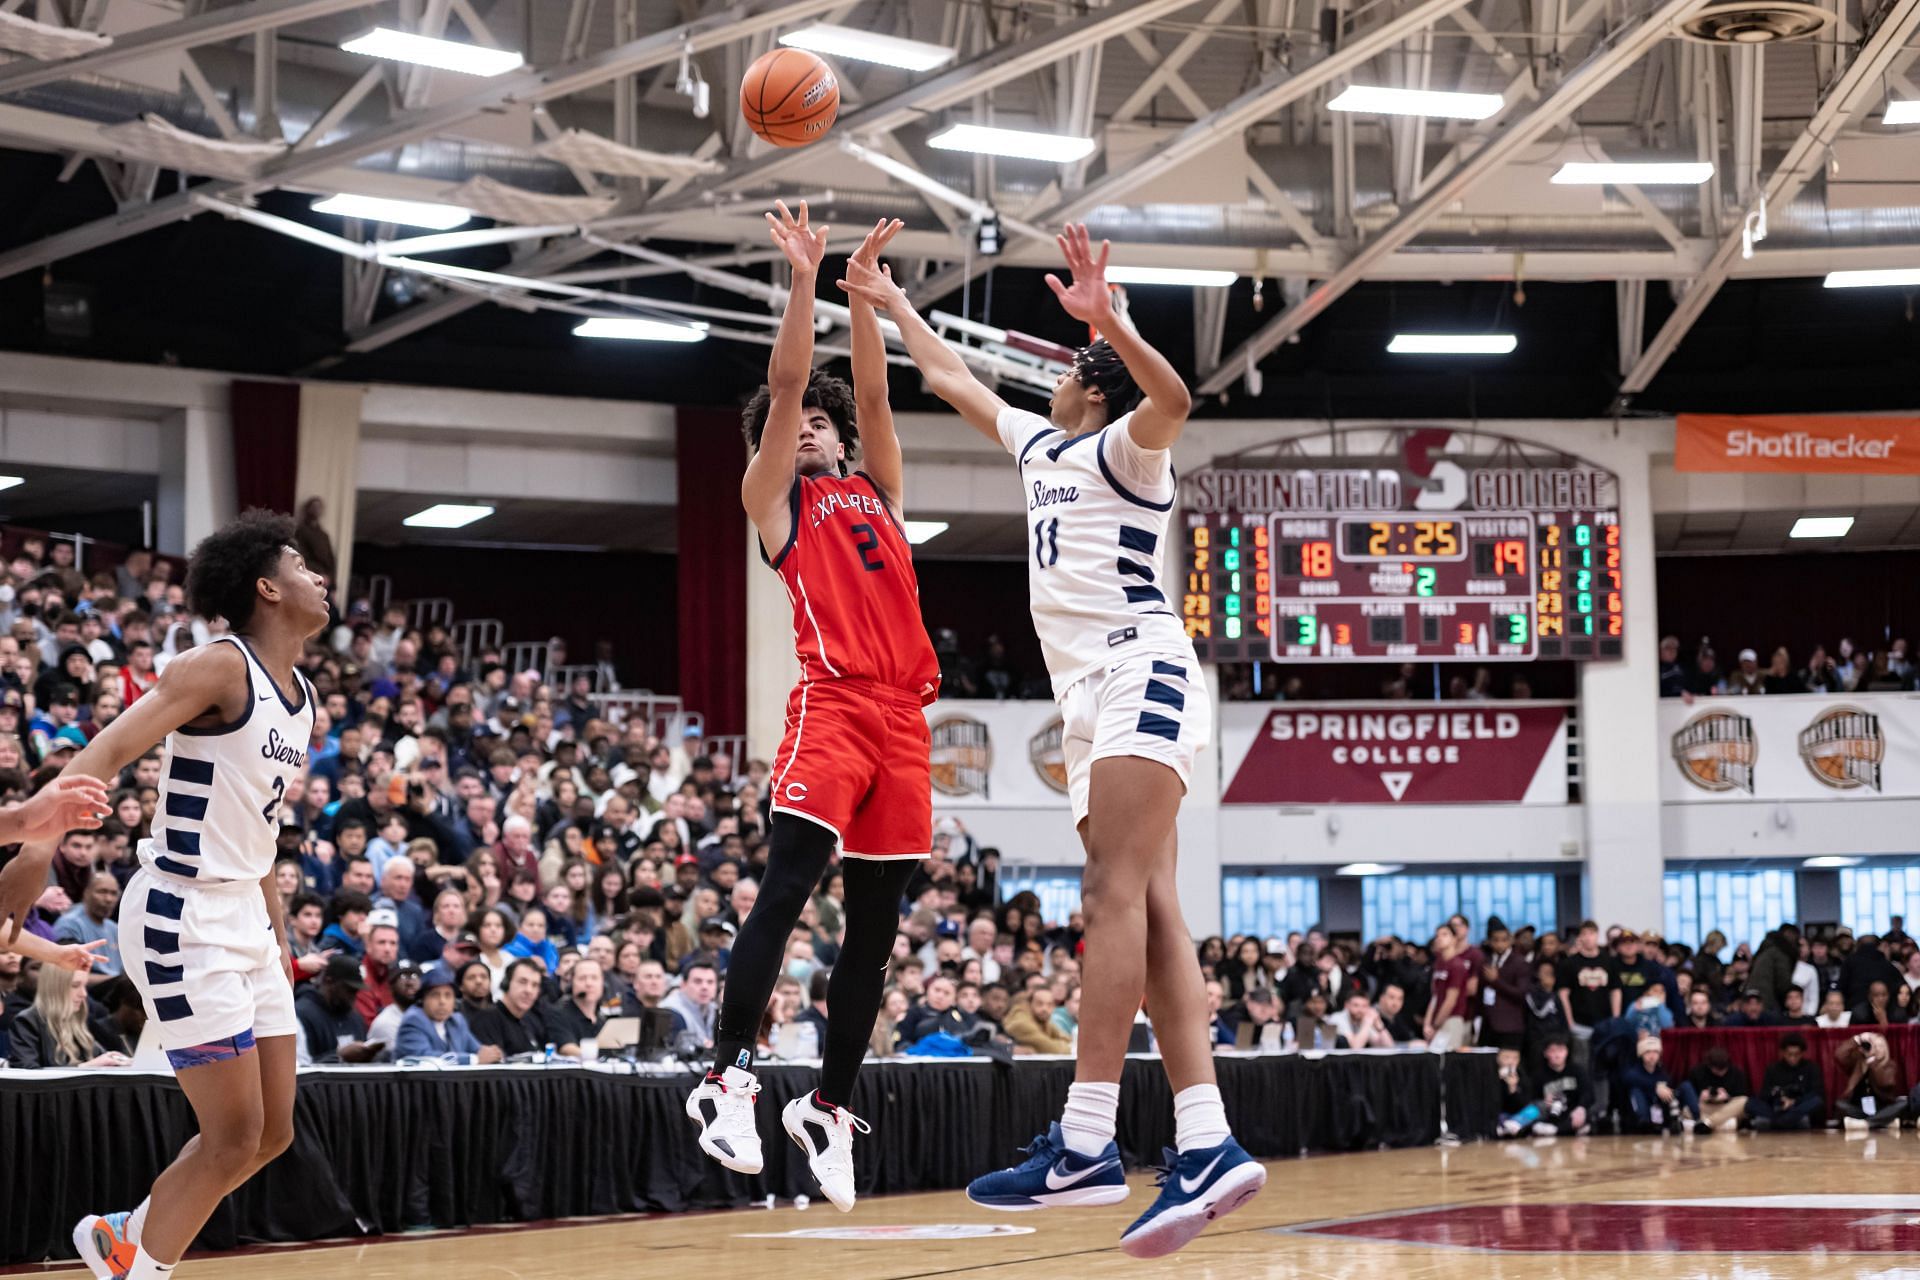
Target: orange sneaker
[[103, 1245]]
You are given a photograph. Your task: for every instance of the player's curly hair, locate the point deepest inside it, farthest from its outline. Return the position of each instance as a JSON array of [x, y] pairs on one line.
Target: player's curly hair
[[824, 392], [224, 568], [1099, 365]]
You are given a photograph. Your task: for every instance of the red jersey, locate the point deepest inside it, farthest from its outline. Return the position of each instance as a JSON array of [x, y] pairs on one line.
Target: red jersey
[[856, 602]]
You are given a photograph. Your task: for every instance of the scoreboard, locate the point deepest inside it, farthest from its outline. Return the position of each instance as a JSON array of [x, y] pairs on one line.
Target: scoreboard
[[1436, 560]]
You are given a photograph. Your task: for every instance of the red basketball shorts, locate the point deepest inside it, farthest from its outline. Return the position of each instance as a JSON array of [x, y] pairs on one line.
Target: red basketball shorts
[[855, 760]]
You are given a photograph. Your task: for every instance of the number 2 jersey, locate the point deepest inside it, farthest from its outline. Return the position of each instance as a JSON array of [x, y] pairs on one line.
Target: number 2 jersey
[[856, 602], [218, 816], [1097, 511]]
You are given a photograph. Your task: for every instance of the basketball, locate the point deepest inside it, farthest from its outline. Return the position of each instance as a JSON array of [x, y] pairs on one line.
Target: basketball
[[789, 97]]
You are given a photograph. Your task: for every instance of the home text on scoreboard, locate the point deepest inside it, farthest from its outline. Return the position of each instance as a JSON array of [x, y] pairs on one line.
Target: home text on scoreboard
[[1432, 548]]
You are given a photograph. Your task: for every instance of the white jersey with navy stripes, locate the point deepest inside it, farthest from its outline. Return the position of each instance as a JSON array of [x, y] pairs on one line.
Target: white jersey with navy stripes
[[218, 817], [1097, 511]]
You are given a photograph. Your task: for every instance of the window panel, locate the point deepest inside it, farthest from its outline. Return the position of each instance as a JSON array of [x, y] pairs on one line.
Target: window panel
[[1413, 906], [1871, 896], [1058, 889], [1268, 906], [1743, 904]]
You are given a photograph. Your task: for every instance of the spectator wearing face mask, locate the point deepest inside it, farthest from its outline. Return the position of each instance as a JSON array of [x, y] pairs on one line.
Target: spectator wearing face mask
[[1649, 1015]]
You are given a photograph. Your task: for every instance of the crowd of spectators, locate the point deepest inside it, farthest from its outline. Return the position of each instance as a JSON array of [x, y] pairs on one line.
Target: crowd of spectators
[[479, 867], [1842, 669]]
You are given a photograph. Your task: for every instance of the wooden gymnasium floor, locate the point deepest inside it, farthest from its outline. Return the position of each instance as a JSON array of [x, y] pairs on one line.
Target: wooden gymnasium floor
[[1779, 1207]]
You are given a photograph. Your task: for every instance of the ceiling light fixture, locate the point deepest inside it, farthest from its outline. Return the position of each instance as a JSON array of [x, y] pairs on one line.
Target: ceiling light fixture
[[1876, 278], [1821, 527], [920, 531], [447, 515], [1196, 277], [1432, 103], [405, 213], [640, 329], [1831, 862], [442, 55], [1642, 174], [1370, 868], [1452, 344], [1017, 144], [870, 46], [8, 482], [1903, 112]]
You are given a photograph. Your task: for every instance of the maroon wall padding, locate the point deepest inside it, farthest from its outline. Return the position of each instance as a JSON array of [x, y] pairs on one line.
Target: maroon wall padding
[[711, 458], [266, 444]]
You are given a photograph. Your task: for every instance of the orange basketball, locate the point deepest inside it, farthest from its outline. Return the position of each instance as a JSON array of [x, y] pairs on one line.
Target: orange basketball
[[789, 97]]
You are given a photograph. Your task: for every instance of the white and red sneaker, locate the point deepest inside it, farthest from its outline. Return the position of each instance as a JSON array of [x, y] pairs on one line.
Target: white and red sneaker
[[722, 1106]]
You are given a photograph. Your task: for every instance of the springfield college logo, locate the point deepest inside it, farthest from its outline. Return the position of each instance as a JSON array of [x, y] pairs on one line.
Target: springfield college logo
[[1843, 748], [962, 756], [1716, 751]]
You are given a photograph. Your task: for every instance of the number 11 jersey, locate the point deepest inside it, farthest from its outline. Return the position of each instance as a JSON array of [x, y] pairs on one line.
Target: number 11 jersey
[[856, 602]]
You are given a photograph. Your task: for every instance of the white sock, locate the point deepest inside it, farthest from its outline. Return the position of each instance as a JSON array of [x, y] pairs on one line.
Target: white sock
[[137, 1221], [1199, 1118], [145, 1268], [1090, 1119]]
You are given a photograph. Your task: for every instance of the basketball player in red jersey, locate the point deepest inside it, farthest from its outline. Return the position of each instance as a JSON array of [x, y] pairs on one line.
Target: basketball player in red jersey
[[853, 770]]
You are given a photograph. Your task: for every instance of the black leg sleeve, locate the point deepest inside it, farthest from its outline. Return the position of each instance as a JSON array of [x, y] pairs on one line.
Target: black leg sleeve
[[797, 856], [874, 890]]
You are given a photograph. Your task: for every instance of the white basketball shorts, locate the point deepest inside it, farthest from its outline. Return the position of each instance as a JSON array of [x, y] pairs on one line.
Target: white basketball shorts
[[1152, 707], [205, 960]]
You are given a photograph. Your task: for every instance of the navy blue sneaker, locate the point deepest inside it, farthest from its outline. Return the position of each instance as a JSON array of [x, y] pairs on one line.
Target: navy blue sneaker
[[1053, 1175], [1196, 1187]]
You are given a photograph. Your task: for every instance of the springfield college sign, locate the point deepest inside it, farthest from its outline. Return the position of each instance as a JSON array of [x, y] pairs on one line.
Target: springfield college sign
[[1395, 753]]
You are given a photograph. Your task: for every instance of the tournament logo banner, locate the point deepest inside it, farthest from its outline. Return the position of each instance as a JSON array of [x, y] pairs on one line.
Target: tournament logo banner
[[1388, 753], [1716, 751], [1843, 748], [961, 756], [1049, 758], [1852, 748]]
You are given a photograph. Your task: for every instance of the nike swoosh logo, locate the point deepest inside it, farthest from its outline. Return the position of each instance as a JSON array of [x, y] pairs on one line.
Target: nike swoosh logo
[[1056, 1181], [1190, 1185], [266, 697]]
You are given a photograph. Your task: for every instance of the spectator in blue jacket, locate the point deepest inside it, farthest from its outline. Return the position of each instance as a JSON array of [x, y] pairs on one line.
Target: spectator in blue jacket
[[531, 942], [1649, 1014], [433, 1028]]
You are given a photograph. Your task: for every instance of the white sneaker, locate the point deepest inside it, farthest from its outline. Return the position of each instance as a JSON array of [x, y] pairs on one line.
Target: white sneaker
[[723, 1108], [826, 1135]]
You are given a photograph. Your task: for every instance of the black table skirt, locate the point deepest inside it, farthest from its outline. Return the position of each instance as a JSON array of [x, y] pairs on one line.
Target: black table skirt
[[378, 1150]]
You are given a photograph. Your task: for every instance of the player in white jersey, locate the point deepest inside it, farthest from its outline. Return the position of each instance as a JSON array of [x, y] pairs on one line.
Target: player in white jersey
[[200, 923], [1097, 480]]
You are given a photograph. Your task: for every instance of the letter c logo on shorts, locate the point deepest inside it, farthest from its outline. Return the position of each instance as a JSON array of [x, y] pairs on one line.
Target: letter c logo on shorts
[[796, 791]]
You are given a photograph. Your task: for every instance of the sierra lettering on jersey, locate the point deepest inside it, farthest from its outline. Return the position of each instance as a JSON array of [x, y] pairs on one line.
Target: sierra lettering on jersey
[[284, 752], [1047, 495]]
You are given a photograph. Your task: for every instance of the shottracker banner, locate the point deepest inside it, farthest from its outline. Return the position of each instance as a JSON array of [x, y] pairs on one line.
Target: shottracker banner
[[1394, 753], [1800, 747], [1797, 444]]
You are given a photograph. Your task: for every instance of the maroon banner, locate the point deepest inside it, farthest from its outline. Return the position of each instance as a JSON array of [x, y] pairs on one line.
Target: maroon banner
[[1401, 753]]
